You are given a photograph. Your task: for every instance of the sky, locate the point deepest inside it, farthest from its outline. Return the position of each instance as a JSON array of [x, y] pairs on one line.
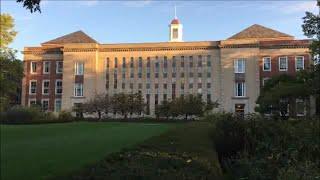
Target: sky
[[148, 20]]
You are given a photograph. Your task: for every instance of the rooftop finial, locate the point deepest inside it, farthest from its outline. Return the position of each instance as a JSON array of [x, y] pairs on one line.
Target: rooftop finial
[[175, 12]]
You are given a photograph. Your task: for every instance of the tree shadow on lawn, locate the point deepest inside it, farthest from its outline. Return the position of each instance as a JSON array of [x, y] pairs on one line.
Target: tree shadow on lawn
[[185, 152]]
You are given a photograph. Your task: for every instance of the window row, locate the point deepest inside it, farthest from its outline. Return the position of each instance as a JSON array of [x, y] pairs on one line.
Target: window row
[[44, 104], [45, 87], [46, 67], [157, 86], [131, 63], [157, 75], [283, 63]]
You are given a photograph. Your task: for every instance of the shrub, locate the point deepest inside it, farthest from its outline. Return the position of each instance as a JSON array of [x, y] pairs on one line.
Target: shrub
[[18, 114], [65, 116]]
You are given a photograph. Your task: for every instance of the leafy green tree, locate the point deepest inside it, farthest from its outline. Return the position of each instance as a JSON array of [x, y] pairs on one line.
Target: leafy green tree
[[7, 33], [11, 69], [120, 104], [32, 5], [99, 104]]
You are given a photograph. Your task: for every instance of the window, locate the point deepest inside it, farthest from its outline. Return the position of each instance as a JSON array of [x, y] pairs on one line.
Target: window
[[140, 86], [139, 75], [115, 84], [148, 75], [174, 62], [283, 63], [175, 33], [140, 62], [57, 105], [156, 86], [148, 86], [123, 85], [264, 81], [115, 62], [191, 61], [32, 102], [266, 64], [208, 74], [174, 75], [191, 74], [131, 75], [58, 86], [165, 62], [239, 66], [33, 68], [165, 75], [182, 85], [123, 62], [131, 62], [165, 86], [148, 62], [131, 85], [240, 89], [123, 75], [45, 86], [208, 98], [300, 106], [199, 75], [33, 87], [45, 104], [209, 61], [46, 67], [190, 86], [199, 85], [200, 61], [59, 67], [208, 85], [78, 89], [79, 66], [299, 63], [164, 97], [107, 63]]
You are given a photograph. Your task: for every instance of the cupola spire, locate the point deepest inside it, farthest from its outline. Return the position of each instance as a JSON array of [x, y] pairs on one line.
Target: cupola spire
[[175, 28]]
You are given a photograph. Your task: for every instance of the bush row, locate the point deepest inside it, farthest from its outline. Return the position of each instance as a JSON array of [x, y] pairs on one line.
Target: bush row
[[255, 148], [33, 115]]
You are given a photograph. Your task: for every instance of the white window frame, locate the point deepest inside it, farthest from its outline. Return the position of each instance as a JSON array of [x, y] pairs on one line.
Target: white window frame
[[286, 58], [263, 62], [236, 65], [77, 69], [75, 90], [42, 100], [44, 67], [55, 104], [264, 80], [31, 69], [304, 107], [57, 67], [43, 81], [32, 99], [236, 89], [296, 63], [30, 87], [55, 89]]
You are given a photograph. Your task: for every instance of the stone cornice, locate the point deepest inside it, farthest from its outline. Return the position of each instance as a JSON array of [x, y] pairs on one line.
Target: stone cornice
[[158, 48], [79, 49]]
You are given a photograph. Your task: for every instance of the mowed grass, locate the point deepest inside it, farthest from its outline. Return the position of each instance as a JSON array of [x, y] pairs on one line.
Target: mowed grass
[[184, 152], [50, 150]]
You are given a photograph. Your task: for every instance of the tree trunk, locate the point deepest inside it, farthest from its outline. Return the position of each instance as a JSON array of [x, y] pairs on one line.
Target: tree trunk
[[99, 115]]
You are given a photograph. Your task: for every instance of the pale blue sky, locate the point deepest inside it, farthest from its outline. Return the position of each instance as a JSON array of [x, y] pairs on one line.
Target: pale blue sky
[[147, 21]]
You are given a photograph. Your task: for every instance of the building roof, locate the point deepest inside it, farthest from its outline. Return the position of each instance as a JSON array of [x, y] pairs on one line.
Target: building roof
[[75, 37], [257, 31], [175, 21]]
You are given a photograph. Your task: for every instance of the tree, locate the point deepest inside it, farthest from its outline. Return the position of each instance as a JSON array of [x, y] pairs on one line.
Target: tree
[[7, 33], [99, 104], [120, 104], [32, 5], [281, 92], [11, 69]]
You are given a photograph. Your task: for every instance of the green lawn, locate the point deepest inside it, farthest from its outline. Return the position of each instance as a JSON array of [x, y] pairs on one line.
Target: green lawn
[[185, 153], [49, 150]]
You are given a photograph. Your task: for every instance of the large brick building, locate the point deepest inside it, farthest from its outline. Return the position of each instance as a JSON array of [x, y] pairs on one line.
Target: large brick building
[[73, 68]]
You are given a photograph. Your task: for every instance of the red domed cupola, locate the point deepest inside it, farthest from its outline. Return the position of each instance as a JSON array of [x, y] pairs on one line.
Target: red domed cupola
[[175, 21]]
